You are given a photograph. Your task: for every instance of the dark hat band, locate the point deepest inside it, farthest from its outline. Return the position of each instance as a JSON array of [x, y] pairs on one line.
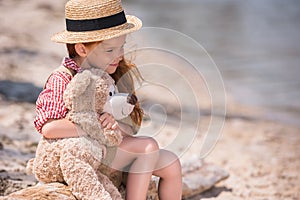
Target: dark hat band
[[96, 24]]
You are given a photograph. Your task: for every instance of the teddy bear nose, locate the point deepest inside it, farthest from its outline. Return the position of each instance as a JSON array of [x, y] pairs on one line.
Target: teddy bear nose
[[132, 99]]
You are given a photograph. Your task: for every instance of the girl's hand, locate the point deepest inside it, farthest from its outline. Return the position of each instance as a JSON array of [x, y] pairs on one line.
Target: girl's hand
[[108, 121]]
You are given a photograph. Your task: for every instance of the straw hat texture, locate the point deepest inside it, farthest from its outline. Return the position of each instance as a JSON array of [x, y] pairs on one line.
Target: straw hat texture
[[95, 20]]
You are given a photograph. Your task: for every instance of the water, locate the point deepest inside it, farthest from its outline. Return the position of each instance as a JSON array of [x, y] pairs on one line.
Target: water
[[254, 43]]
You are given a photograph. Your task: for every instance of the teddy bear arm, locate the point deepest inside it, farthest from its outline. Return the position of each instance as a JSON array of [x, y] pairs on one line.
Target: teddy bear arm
[[89, 123]]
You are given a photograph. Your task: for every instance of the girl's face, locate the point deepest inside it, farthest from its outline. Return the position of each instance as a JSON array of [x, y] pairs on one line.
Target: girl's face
[[107, 54]]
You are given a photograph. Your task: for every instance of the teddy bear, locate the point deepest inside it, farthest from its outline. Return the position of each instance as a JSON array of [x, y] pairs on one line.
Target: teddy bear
[[78, 161]]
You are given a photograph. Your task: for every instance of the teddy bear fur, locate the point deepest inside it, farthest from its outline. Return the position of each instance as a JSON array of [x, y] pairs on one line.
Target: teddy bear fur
[[76, 161]]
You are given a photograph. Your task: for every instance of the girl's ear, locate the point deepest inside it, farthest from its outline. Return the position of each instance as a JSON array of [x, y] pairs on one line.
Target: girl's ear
[[81, 50]]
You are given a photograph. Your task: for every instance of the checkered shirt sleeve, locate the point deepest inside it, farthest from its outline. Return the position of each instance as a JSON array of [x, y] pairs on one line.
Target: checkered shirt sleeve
[[49, 104]]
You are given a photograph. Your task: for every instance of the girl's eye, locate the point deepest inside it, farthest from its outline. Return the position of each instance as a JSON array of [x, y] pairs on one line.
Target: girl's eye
[[109, 51]]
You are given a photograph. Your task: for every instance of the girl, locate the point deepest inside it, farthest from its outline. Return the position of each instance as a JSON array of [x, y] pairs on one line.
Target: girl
[[95, 36]]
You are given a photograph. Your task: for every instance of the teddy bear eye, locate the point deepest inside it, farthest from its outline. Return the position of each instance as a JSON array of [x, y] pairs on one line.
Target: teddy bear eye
[[110, 93]]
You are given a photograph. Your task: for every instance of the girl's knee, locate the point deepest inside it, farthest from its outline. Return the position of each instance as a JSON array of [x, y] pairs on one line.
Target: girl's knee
[[177, 166], [174, 163], [169, 163], [174, 170], [150, 145]]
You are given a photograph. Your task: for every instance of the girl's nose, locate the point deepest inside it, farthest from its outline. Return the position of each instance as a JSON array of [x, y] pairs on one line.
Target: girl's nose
[[121, 53], [120, 57]]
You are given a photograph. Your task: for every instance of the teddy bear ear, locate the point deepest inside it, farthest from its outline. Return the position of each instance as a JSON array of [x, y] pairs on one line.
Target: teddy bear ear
[[76, 87], [80, 82]]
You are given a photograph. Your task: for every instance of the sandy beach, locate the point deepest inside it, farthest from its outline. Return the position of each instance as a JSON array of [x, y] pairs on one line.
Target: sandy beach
[[258, 146]]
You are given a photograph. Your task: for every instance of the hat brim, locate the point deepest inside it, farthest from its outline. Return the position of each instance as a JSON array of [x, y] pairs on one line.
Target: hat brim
[[133, 24]]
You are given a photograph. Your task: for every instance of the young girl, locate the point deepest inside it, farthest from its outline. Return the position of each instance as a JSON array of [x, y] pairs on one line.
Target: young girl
[[95, 36]]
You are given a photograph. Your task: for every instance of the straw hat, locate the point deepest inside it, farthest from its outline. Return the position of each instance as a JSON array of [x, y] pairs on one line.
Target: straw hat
[[95, 20]]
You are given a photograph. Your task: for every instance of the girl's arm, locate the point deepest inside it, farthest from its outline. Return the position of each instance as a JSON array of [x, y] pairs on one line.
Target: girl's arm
[[61, 128]]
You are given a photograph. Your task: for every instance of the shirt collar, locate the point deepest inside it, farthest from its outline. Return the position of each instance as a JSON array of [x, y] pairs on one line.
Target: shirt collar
[[71, 64]]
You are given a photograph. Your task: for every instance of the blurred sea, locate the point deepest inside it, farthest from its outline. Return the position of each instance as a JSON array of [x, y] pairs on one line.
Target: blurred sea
[[255, 45]]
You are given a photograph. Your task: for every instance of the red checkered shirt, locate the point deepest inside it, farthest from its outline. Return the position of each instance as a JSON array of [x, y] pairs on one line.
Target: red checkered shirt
[[49, 104]]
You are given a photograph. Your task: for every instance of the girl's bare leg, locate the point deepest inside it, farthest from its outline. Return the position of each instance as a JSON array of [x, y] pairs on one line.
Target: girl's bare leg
[[142, 153], [169, 170]]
